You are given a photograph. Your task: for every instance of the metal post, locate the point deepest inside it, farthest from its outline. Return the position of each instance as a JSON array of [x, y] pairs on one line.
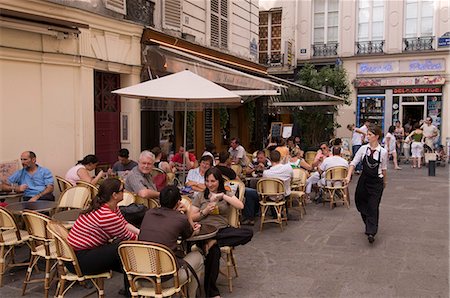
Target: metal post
[[184, 141]]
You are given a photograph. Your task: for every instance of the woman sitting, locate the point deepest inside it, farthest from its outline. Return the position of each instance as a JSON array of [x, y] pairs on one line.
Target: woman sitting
[[81, 170], [297, 161], [212, 206], [98, 231]]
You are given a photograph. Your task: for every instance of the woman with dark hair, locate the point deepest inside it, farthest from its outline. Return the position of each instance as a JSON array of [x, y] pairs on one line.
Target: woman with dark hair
[[81, 170], [96, 227], [372, 181], [212, 206], [391, 147]]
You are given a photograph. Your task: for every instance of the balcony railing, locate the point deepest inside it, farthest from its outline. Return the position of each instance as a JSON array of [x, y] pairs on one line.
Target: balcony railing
[[140, 11], [369, 47], [324, 50], [417, 44]]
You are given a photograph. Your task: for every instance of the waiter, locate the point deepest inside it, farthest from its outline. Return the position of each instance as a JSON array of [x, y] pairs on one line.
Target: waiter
[[372, 181]]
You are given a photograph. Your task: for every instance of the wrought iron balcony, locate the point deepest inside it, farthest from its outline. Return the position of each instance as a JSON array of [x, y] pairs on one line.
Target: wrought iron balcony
[[140, 11], [369, 47], [417, 44], [324, 50]]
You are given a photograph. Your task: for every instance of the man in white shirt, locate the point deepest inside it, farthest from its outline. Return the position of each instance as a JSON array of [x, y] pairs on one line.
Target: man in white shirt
[[430, 132], [364, 129], [237, 153], [334, 161], [283, 172]]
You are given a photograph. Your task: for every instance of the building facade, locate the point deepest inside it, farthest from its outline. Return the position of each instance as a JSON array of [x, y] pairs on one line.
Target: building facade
[[396, 54]]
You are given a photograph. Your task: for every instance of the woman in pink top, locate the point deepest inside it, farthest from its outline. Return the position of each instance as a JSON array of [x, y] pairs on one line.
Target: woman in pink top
[[98, 231], [81, 170]]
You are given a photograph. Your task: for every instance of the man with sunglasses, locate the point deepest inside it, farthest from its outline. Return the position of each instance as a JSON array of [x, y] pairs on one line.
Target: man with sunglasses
[[34, 181]]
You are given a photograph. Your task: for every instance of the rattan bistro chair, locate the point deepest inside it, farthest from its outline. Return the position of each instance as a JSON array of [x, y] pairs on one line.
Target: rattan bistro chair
[[65, 253], [146, 265], [10, 236], [128, 198], [298, 185], [42, 246], [309, 156], [74, 197], [63, 184], [271, 192], [93, 188], [334, 186]]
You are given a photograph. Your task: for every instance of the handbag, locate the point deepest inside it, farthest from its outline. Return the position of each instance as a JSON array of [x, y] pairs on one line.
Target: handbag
[[134, 213]]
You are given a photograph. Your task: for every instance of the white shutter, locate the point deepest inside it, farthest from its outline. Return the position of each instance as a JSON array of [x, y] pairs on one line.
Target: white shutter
[[219, 23], [119, 6], [215, 30], [172, 13]]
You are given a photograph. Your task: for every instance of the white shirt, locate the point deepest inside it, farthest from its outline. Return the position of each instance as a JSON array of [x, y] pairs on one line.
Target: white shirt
[[238, 153], [195, 176], [391, 141], [333, 161], [212, 156], [429, 130], [365, 130], [283, 172], [363, 151], [356, 138]]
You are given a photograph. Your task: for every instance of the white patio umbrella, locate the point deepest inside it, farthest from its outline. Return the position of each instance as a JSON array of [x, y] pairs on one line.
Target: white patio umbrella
[[183, 87]]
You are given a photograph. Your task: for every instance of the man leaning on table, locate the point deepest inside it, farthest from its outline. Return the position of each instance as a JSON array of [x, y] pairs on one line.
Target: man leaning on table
[[139, 179], [34, 181]]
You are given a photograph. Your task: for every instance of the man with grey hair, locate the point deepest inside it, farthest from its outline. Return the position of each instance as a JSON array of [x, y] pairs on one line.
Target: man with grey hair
[[139, 180]]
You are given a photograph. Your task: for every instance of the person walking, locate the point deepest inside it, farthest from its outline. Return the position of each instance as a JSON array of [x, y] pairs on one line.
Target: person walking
[[417, 137], [372, 181], [390, 145]]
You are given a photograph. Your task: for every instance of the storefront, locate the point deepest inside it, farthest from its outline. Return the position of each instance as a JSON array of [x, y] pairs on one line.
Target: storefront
[[384, 98]]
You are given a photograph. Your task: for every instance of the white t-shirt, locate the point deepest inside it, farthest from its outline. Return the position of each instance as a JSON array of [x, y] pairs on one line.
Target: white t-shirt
[[391, 147], [283, 172], [364, 150], [238, 153], [429, 130], [365, 130], [333, 161], [356, 138], [194, 175]]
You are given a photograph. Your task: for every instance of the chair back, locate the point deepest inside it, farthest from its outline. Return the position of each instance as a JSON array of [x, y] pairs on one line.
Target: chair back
[[159, 178], [8, 226], [64, 251], [141, 260], [63, 184], [309, 156], [270, 187], [75, 197], [36, 224], [237, 169], [186, 201], [336, 174], [90, 186], [235, 214], [299, 179], [128, 198]]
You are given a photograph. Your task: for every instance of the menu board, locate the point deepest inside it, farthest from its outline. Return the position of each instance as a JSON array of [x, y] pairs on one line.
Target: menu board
[[275, 131], [287, 130]]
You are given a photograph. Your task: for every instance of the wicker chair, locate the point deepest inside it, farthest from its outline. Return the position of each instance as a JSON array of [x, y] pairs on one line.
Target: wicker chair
[[237, 169], [128, 198], [90, 186], [10, 236], [309, 156], [63, 184], [298, 185], [334, 186], [65, 253], [146, 265], [74, 197], [42, 246], [234, 221], [271, 192], [148, 202], [159, 178]]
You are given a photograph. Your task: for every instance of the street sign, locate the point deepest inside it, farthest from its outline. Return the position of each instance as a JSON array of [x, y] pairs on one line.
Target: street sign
[[444, 40]]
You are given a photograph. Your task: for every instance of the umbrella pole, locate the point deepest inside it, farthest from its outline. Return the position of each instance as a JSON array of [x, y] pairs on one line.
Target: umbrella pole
[[184, 141]]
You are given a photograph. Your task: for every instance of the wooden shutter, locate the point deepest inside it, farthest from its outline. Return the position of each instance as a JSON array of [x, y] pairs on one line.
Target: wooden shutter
[[219, 23], [172, 13], [119, 6]]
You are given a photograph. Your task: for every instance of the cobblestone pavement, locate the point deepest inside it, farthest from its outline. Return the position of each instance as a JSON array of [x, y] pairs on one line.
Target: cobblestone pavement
[[326, 254]]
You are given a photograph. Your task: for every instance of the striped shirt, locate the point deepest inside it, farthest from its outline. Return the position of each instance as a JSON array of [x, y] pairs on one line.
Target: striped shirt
[[94, 229]]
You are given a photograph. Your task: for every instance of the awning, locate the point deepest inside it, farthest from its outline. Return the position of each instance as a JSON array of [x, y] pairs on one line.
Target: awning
[[239, 82]]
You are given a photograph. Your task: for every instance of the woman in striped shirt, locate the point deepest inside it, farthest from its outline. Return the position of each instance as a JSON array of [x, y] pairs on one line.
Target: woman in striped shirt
[[98, 231]]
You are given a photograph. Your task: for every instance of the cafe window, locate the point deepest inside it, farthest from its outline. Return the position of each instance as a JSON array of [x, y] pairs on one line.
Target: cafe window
[[326, 13]]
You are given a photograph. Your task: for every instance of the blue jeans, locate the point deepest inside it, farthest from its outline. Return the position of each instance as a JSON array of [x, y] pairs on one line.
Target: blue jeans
[[355, 149], [251, 205]]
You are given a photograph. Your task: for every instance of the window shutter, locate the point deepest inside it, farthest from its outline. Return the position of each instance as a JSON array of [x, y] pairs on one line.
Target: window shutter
[[214, 30], [119, 6], [219, 23], [172, 13]]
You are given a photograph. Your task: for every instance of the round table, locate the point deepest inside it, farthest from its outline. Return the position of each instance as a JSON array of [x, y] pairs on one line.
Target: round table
[[67, 217], [206, 232], [38, 206], [4, 195]]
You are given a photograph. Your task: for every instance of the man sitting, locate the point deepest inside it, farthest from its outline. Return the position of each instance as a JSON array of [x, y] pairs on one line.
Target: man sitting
[[34, 181], [181, 158], [165, 225], [261, 164], [237, 153], [124, 163], [321, 155], [334, 161], [139, 180]]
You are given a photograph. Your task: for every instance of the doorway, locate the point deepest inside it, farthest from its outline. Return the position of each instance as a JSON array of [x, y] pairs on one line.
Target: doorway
[[412, 114]]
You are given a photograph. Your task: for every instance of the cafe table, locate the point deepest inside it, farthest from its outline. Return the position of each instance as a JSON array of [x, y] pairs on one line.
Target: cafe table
[[38, 206], [206, 232], [10, 196], [67, 217]]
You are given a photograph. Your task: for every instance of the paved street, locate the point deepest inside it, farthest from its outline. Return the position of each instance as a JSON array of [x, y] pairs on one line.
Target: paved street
[[327, 254]]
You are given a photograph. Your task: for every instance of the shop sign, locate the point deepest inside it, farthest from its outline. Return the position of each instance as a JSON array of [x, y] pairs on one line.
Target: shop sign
[[417, 90], [381, 67], [422, 65], [253, 47], [399, 81]]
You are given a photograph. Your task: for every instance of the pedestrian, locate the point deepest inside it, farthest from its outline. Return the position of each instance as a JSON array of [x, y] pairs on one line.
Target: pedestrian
[[372, 181]]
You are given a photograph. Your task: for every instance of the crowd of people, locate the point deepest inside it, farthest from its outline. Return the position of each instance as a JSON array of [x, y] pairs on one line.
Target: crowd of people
[[212, 202]]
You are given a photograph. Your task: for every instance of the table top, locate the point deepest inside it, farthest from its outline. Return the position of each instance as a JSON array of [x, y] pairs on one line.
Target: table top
[[9, 195], [67, 216], [206, 232], [38, 206]]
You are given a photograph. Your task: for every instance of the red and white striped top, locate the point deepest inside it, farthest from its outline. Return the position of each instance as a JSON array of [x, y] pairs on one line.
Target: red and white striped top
[[94, 229]]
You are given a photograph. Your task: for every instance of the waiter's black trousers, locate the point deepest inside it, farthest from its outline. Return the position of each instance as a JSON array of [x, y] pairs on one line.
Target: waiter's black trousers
[[367, 198]]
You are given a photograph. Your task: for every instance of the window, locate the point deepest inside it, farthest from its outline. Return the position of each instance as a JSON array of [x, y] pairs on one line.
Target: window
[[419, 18], [370, 20], [119, 6], [219, 23], [270, 37], [326, 20]]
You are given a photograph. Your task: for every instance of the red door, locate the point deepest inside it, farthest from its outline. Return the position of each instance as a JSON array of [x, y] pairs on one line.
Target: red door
[[107, 114]]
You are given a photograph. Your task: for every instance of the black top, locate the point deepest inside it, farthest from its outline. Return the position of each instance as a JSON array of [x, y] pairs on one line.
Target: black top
[[227, 172]]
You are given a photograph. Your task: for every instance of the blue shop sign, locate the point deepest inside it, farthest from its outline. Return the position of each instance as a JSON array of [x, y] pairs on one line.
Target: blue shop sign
[[443, 42]]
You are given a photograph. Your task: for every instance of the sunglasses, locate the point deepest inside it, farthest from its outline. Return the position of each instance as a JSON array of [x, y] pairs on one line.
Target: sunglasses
[[324, 148]]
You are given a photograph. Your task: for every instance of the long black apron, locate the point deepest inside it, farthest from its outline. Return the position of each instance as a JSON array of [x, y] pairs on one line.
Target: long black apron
[[369, 191]]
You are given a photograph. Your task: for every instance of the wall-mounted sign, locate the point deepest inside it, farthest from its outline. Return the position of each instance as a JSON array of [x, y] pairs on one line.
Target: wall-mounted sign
[[381, 67], [428, 65], [253, 47], [423, 65], [399, 81], [444, 40], [303, 51], [417, 90]]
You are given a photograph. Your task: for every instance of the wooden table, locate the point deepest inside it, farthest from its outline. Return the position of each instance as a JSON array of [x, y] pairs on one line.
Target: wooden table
[[67, 217], [6, 195], [38, 206], [206, 232]]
